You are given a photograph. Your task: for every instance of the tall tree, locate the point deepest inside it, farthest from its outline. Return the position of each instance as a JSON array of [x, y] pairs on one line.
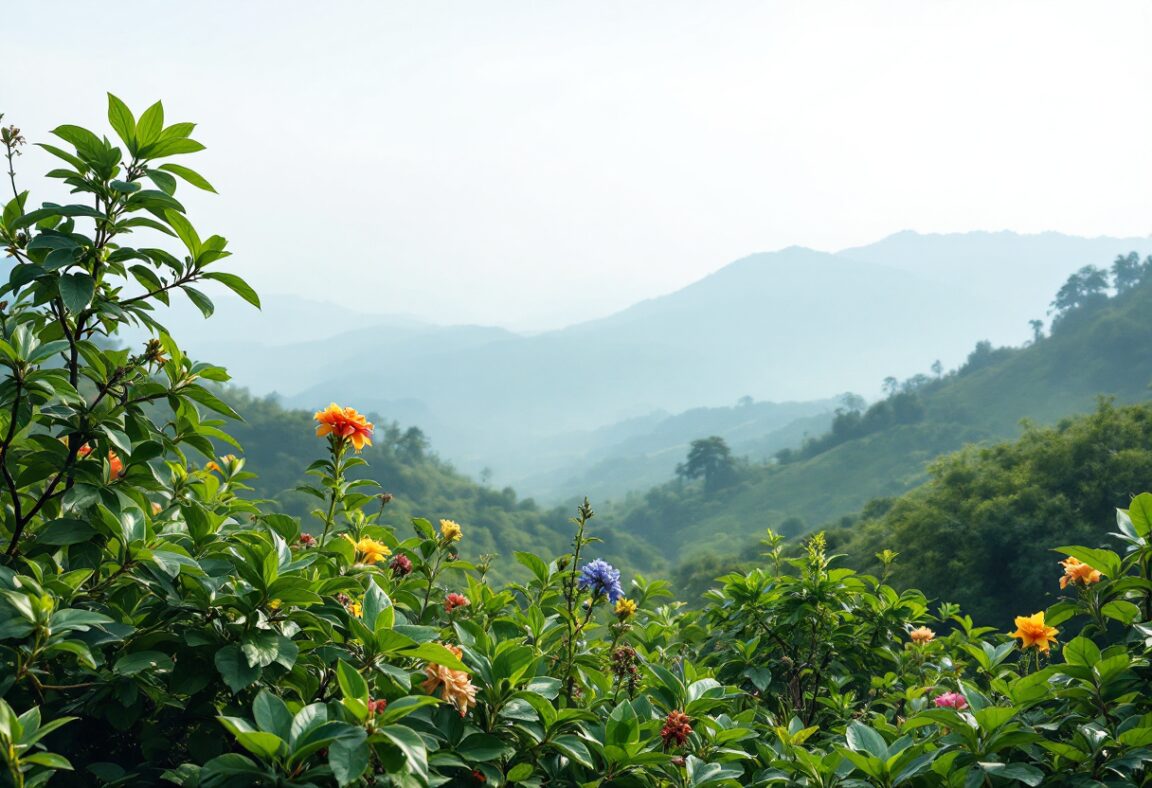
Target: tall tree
[[711, 459]]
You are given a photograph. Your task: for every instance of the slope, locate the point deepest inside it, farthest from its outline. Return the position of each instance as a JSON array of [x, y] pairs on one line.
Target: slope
[[1094, 349]]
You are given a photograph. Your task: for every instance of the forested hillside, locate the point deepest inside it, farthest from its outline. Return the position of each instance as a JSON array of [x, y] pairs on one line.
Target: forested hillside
[[276, 439], [1094, 349]]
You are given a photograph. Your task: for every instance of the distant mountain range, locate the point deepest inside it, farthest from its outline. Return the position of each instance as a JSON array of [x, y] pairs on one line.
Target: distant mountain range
[[794, 325]]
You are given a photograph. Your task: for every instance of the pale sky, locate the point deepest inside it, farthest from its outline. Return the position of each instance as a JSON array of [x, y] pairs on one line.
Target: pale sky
[[533, 164]]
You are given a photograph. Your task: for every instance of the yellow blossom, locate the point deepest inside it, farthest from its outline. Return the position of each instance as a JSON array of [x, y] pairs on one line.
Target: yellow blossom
[[625, 608], [368, 550], [450, 531], [1032, 632]]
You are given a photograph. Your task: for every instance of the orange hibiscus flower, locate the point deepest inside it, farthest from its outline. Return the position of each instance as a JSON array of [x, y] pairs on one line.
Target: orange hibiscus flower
[[1032, 632], [1077, 572], [346, 424], [455, 685]]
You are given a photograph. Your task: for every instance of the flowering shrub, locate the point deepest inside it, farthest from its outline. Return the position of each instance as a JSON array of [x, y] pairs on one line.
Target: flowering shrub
[[156, 626]]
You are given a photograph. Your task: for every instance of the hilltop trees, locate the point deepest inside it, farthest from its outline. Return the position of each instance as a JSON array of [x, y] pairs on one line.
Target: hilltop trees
[[710, 459], [1086, 285]]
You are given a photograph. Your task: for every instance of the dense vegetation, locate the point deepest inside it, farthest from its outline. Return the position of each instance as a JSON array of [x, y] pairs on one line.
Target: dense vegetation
[[884, 450], [158, 626]]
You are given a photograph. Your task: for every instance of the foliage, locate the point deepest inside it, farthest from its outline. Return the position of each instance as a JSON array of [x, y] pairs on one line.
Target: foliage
[[156, 625]]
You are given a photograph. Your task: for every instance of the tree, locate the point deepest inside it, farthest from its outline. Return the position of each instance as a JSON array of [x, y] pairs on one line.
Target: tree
[[1128, 271], [852, 401], [711, 459], [1087, 284], [937, 368], [891, 385], [1037, 330]]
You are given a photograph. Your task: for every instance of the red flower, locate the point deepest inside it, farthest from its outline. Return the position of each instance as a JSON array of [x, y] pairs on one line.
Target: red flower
[[676, 729], [307, 540], [453, 601], [377, 706], [401, 566]]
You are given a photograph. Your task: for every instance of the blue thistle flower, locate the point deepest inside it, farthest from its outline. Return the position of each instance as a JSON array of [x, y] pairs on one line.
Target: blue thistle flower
[[601, 578]]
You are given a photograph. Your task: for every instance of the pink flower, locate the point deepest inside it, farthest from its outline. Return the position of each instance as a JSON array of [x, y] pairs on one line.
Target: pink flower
[[453, 601], [951, 700]]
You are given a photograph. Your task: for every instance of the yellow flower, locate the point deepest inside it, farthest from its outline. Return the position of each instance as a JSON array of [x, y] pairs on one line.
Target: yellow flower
[[355, 608], [450, 531], [921, 635], [625, 608], [345, 424], [368, 550], [1032, 632], [274, 604], [1077, 572], [455, 685]]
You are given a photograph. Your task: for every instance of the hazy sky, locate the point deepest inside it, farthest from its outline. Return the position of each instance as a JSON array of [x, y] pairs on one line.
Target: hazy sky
[[536, 163]]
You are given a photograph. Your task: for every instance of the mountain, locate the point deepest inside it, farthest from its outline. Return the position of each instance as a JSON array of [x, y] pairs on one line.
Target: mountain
[[793, 325], [883, 452]]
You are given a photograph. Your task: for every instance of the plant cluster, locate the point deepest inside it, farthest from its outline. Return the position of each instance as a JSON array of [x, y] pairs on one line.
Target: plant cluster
[[159, 626]]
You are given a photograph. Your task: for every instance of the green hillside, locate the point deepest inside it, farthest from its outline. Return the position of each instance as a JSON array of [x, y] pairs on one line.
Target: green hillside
[[883, 451], [278, 443]]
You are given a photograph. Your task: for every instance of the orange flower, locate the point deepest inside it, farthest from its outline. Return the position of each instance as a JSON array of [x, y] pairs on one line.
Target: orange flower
[[921, 635], [1077, 572], [84, 450], [456, 685], [345, 424], [115, 465], [1032, 632], [369, 550], [212, 466]]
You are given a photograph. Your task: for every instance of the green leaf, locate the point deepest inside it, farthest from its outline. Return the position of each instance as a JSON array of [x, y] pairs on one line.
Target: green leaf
[[150, 125], [1081, 651], [261, 648], [202, 302], [436, 653], [272, 714], [865, 739], [122, 121], [1020, 772], [349, 758], [77, 290], [193, 177], [261, 744], [1140, 512], [131, 664], [378, 610], [234, 668], [239, 287], [352, 684], [521, 771], [481, 747]]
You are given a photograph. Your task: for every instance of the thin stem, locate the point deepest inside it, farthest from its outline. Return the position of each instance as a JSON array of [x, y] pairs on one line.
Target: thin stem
[[338, 447]]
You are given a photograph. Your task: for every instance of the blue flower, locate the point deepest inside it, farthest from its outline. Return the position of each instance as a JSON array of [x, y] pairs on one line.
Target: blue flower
[[601, 578]]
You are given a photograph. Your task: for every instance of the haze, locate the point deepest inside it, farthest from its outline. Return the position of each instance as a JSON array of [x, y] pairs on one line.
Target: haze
[[535, 165]]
